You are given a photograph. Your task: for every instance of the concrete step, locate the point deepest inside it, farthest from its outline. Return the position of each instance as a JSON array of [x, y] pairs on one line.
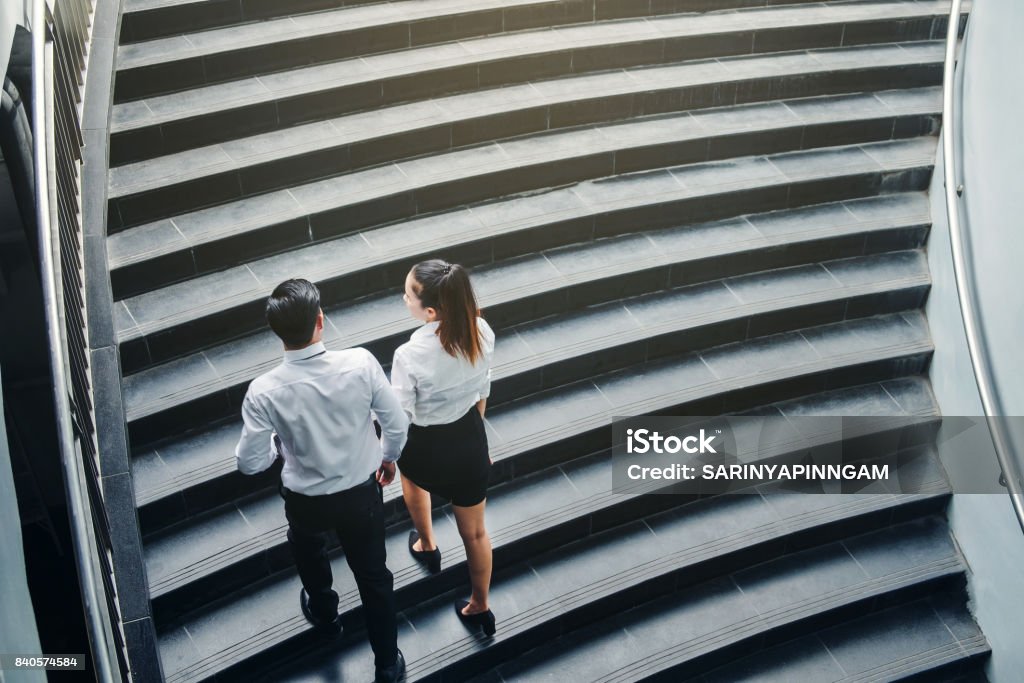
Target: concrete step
[[568, 278], [200, 116], [159, 253], [180, 62], [568, 347], [200, 471], [180, 319], [923, 630], [191, 59], [904, 643], [145, 20], [523, 523], [203, 462], [210, 556], [660, 569], [248, 166]]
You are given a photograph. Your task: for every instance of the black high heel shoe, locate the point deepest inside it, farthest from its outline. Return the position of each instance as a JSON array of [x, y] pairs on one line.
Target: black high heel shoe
[[429, 558], [485, 620]]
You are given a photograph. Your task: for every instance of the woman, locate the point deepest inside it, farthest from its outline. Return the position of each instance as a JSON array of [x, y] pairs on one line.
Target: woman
[[442, 377]]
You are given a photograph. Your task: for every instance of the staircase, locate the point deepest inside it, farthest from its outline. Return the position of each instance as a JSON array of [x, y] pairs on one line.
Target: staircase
[[669, 206]]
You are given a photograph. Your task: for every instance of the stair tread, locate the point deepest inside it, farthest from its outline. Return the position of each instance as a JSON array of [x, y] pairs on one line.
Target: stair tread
[[533, 345], [206, 455], [536, 591], [732, 607], [645, 389], [245, 152], [895, 631], [258, 89], [286, 28], [205, 225], [880, 646], [523, 420], [327, 22], [527, 505], [173, 468], [175, 558], [174, 304], [411, 187]]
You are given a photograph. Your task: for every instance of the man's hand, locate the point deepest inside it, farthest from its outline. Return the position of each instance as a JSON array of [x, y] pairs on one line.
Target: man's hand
[[386, 473]]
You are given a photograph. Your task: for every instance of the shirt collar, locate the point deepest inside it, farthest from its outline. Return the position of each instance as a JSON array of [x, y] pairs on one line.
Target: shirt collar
[[304, 353], [427, 328]]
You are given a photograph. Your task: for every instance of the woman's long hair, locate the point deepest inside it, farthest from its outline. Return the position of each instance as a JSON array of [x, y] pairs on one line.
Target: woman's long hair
[[446, 288]]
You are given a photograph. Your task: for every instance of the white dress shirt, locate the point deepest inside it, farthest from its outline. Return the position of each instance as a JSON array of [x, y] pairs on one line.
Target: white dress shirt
[[435, 387], [319, 402]]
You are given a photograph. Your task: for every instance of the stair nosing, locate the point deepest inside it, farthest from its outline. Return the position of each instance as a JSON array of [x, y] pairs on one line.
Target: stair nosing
[[919, 662]]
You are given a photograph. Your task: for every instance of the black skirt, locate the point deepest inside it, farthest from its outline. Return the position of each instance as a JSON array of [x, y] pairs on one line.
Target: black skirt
[[449, 460]]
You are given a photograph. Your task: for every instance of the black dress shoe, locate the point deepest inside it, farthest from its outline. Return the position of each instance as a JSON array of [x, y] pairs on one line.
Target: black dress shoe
[[393, 673], [327, 628], [431, 559], [485, 620]]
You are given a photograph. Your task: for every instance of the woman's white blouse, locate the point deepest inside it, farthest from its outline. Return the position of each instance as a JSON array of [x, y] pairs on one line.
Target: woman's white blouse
[[435, 387]]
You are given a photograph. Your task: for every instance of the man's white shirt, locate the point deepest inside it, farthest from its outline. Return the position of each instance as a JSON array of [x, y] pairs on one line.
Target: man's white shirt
[[435, 387], [319, 403]]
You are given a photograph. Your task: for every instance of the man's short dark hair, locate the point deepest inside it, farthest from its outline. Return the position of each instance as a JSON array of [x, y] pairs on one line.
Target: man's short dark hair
[[292, 310]]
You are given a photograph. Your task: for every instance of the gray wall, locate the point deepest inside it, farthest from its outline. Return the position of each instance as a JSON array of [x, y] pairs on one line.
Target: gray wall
[[13, 13], [992, 172], [17, 620], [992, 146]]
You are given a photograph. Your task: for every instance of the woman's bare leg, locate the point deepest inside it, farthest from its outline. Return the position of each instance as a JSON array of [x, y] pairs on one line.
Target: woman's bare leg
[[470, 521], [417, 502]]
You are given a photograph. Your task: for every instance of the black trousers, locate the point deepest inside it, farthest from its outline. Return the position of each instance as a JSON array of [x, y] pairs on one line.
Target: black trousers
[[357, 516]]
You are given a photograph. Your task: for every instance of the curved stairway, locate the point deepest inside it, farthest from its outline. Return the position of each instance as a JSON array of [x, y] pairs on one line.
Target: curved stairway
[[667, 209]]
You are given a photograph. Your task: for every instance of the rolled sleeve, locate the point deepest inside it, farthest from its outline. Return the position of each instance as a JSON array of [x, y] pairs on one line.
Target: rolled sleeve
[[255, 450], [385, 403]]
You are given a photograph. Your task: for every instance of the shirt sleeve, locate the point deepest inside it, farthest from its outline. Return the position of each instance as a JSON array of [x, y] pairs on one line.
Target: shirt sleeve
[[488, 352], [485, 385], [394, 424], [255, 451], [403, 383]]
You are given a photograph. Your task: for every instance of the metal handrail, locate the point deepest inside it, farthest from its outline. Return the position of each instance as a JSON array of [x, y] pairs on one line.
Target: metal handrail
[[976, 348], [98, 627]]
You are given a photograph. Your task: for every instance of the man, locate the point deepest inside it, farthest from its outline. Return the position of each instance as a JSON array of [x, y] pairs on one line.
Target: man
[[314, 410]]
